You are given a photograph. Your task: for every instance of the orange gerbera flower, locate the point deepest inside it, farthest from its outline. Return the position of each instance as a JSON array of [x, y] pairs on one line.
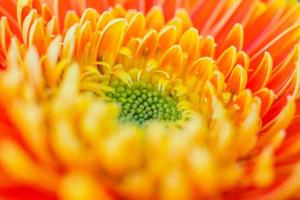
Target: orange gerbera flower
[[149, 100]]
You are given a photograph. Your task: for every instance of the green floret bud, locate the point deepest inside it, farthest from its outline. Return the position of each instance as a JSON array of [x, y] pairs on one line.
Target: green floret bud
[[140, 103]]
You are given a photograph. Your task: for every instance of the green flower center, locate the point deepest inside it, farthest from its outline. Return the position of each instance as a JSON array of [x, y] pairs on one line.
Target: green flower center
[[141, 102]]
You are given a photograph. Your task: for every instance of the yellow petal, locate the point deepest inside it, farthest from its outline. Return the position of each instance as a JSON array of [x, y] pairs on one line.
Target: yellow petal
[[77, 185], [167, 37], [264, 172], [109, 50], [155, 18], [172, 60], [135, 27], [190, 42]]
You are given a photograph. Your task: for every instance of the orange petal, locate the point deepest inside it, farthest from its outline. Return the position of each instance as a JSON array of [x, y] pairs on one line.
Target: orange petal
[[61, 8], [207, 47], [198, 73], [167, 37], [190, 42], [109, 50], [37, 36], [176, 22], [84, 37], [240, 12], [8, 10], [100, 6], [148, 45], [46, 13], [269, 17], [283, 119], [247, 131], [14, 161], [283, 75], [244, 100], [201, 12], [27, 23], [155, 18], [237, 80], [267, 98], [229, 15], [90, 15], [227, 60], [135, 27], [262, 74], [69, 41], [104, 19], [185, 19], [235, 37], [172, 60], [222, 10], [85, 185], [70, 19], [135, 4], [5, 35], [285, 21], [169, 8], [118, 11], [280, 46], [218, 81], [53, 26], [243, 60], [52, 56]]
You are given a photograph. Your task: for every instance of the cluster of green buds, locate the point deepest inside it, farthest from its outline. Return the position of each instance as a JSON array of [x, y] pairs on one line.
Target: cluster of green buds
[[141, 102]]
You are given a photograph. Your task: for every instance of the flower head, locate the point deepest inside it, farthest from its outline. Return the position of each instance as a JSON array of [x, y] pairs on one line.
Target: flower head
[[149, 100]]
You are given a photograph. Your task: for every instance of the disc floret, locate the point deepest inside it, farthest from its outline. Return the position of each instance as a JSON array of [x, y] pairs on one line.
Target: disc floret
[[141, 102]]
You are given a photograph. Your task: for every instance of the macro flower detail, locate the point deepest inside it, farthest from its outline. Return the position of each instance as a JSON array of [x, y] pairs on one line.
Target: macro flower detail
[[143, 100]]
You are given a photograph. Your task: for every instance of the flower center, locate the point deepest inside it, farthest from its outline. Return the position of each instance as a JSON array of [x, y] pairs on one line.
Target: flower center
[[141, 102]]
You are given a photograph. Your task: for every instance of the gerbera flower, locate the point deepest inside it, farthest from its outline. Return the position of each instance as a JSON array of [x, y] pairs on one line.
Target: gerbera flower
[[149, 99]]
